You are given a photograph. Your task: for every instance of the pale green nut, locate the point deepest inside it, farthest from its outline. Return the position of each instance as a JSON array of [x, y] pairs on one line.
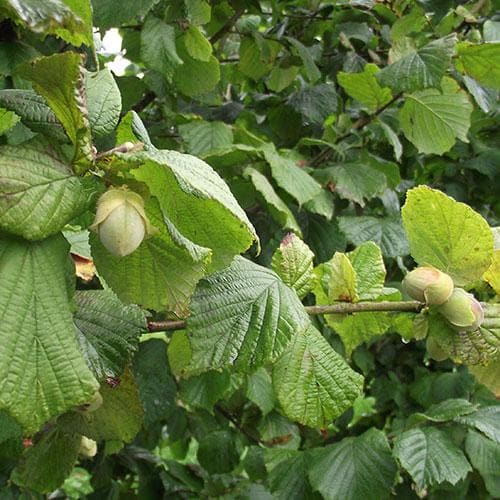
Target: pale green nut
[[88, 447], [429, 285], [121, 221], [463, 311]]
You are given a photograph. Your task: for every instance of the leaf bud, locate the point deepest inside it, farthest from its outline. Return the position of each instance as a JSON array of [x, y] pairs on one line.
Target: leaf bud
[[88, 447], [121, 221], [463, 311], [428, 285]]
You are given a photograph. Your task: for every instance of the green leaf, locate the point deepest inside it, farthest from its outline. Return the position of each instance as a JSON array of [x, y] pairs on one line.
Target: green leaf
[[14, 53], [413, 22], [485, 97], [492, 275], [362, 408], [313, 383], [197, 201], [432, 119], [11, 440], [249, 320], [288, 478], [312, 72], [356, 328], [356, 467], [471, 348], [358, 275], [276, 206], [485, 420], [491, 31], [157, 387], [39, 193], [69, 19], [34, 112], [365, 88], [9, 429], [447, 235], [430, 457], [58, 78], [393, 139], [158, 46], [484, 455], [489, 374], [480, 62], [315, 102], [82, 10], [386, 232], [199, 11], [119, 417], [293, 263], [132, 129], [104, 101], [420, 68], [161, 274], [278, 431], [49, 462], [203, 391], [369, 266], [197, 45], [355, 181], [447, 410], [217, 452], [7, 120], [340, 278], [322, 204], [336, 280], [45, 374], [188, 76], [281, 78], [257, 60], [112, 13], [202, 137], [179, 352], [260, 390], [108, 331], [290, 177]]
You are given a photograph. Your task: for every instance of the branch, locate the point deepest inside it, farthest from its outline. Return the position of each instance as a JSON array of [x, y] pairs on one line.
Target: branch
[[362, 122], [341, 308], [227, 26]]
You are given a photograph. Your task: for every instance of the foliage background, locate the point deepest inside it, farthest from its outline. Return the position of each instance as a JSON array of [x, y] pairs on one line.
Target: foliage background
[[320, 117]]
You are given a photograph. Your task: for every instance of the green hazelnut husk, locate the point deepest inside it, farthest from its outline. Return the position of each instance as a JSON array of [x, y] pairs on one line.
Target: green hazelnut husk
[[88, 447], [429, 285], [121, 221], [462, 311], [93, 404]]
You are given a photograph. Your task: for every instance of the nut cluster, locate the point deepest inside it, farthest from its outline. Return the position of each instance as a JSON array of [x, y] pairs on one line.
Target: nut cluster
[[427, 284]]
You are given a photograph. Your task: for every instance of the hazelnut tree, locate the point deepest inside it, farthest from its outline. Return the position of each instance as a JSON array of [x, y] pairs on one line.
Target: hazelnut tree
[[263, 261]]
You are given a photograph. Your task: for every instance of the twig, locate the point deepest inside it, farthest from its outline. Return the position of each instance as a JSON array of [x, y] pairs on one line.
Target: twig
[[348, 308], [147, 99], [165, 326], [238, 425], [340, 308], [126, 147], [326, 153], [227, 26]]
